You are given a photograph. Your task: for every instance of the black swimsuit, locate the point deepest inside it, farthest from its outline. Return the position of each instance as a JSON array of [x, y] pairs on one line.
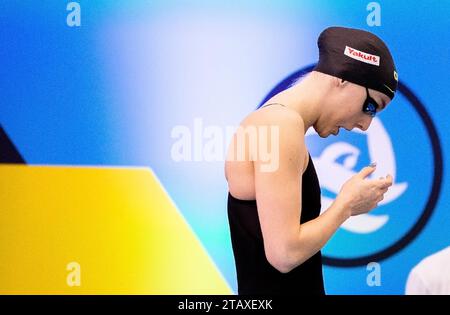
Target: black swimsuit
[[255, 275]]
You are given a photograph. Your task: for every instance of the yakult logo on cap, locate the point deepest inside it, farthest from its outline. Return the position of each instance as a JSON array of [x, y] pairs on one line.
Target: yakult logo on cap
[[362, 56]]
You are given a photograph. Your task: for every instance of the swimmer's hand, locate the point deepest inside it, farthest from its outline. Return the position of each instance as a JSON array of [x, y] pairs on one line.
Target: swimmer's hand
[[360, 195]]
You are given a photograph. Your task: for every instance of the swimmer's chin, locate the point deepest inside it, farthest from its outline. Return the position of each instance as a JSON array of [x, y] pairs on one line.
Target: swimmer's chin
[[320, 134]]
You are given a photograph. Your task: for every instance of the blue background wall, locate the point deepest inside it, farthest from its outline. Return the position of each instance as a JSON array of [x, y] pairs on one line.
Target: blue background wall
[[110, 92]]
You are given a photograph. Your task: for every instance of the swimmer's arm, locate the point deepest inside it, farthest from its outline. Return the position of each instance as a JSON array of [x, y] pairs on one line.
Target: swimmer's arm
[[288, 244]]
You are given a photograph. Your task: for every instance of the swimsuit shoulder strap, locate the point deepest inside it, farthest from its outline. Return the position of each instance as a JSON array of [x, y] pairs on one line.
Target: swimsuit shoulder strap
[[265, 105]]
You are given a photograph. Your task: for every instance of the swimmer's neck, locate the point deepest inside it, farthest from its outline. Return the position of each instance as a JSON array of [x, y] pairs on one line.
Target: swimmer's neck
[[306, 97]]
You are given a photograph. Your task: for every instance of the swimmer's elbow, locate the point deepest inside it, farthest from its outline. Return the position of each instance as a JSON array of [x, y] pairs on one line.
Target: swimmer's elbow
[[279, 259], [287, 258], [279, 265]]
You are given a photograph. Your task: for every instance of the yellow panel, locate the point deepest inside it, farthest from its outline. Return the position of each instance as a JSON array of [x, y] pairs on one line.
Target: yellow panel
[[116, 224]]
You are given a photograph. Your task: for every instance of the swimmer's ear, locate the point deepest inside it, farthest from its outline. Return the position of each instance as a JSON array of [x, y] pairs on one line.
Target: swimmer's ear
[[341, 82]]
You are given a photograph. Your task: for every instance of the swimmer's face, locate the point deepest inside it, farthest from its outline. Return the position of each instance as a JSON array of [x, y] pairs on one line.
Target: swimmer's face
[[344, 109]]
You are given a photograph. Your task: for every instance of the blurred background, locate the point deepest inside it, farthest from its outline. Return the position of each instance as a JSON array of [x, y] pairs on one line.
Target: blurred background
[[116, 83]]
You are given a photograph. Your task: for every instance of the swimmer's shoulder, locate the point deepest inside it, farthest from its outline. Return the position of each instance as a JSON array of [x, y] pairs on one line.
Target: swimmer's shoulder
[[276, 115]]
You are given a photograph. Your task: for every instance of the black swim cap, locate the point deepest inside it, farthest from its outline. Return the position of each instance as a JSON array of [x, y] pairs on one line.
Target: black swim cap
[[359, 57]]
